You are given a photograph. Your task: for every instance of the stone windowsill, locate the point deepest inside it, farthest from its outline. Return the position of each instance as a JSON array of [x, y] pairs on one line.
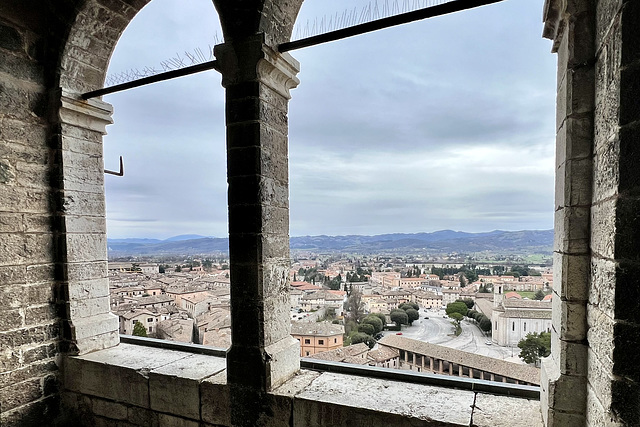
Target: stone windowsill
[[169, 387]]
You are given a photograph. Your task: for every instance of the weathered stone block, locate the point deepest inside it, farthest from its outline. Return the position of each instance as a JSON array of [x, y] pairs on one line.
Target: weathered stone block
[[563, 419], [215, 405], [572, 230], [12, 248], [85, 224], [571, 276], [72, 144], [88, 307], [606, 19], [41, 352], [23, 200], [87, 270], [109, 409], [142, 417], [12, 296], [32, 413], [607, 98], [561, 393], [571, 316], [166, 420], [38, 223], [265, 191], [18, 394], [354, 401], [10, 319], [603, 229], [602, 290], [39, 314], [84, 289], [573, 183], [86, 247], [81, 203], [175, 388], [107, 381], [11, 223], [606, 176], [12, 274], [39, 248], [32, 175], [596, 414], [276, 326]]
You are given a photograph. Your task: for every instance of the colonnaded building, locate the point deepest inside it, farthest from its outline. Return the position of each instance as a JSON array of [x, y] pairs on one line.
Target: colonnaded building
[[62, 360]]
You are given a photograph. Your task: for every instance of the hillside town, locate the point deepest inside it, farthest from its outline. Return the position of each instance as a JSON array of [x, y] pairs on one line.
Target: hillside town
[[190, 303]]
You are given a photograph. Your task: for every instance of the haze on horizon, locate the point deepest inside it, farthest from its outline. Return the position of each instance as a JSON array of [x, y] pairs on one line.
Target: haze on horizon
[[447, 123]]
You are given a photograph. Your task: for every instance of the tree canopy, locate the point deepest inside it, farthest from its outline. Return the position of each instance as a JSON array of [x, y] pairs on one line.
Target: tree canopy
[[535, 346], [367, 328], [374, 321], [359, 337], [139, 330], [400, 317], [457, 307], [412, 314]]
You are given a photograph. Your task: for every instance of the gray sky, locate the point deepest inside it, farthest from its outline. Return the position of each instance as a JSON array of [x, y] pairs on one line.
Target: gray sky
[[446, 123]]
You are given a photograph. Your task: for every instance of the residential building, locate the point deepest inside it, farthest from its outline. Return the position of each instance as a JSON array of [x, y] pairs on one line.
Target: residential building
[[316, 337]]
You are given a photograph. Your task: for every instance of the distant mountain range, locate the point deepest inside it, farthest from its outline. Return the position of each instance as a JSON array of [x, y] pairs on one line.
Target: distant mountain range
[[444, 241]]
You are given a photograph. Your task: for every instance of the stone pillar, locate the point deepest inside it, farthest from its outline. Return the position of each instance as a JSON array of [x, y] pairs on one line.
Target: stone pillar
[[450, 368], [263, 354], [470, 372], [81, 225], [440, 366], [460, 371], [564, 373]]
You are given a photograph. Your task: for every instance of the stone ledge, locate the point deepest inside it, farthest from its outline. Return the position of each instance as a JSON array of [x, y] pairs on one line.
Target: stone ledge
[[191, 388]]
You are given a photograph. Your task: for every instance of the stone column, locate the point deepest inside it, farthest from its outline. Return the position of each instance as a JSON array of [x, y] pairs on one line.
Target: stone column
[[564, 373], [81, 225], [257, 80]]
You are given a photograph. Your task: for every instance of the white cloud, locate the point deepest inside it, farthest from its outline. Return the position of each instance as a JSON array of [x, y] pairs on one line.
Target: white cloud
[[444, 123]]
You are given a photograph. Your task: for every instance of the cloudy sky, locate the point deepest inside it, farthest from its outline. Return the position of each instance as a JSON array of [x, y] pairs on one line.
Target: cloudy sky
[[446, 123]]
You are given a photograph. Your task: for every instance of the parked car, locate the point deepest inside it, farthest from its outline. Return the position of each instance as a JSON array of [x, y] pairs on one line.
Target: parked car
[[398, 333], [426, 317], [487, 342]]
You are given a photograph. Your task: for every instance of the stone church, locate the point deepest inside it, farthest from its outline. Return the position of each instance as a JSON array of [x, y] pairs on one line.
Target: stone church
[[62, 362]]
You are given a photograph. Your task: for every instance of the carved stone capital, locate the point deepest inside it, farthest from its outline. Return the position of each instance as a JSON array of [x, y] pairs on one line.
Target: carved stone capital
[[91, 114], [278, 71], [554, 21], [252, 59]]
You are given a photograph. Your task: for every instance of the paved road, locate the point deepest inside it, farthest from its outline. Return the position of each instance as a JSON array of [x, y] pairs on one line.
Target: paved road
[[439, 330]]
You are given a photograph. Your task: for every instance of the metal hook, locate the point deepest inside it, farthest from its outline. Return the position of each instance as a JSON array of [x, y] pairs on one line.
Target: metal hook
[[121, 173]]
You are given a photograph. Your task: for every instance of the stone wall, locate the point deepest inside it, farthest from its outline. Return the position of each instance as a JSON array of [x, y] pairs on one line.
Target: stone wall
[[590, 378], [613, 391], [29, 326]]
